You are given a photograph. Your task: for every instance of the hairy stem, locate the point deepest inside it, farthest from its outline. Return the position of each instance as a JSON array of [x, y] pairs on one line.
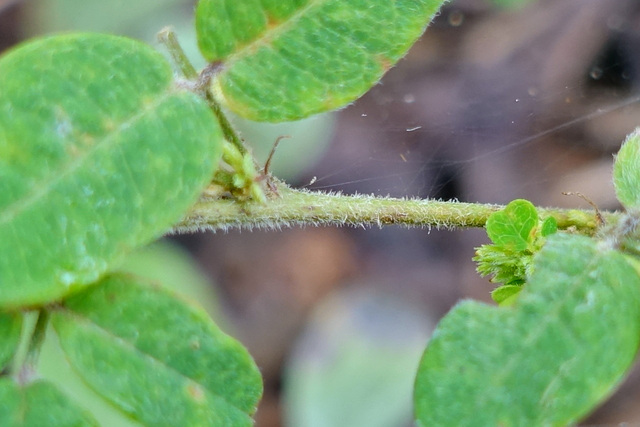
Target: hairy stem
[[217, 211], [300, 208]]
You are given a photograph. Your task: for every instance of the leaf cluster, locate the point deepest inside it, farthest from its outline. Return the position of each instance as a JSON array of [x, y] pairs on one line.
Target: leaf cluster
[[103, 147], [551, 355], [517, 233]]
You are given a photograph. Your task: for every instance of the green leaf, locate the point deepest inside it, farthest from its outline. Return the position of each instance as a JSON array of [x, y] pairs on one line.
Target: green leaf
[[100, 153], [506, 295], [626, 171], [371, 344], [562, 348], [10, 331], [518, 235], [173, 267], [512, 227], [167, 265], [506, 266], [511, 4], [288, 59], [549, 226], [156, 358], [38, 404], [114, 16]]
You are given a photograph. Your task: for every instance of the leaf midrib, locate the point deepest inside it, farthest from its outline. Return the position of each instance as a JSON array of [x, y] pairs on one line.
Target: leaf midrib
[[550, 318], [45, 185], [88, 322], [270, 34]]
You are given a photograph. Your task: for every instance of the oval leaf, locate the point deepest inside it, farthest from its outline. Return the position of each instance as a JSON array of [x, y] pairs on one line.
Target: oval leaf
[[39, 404], [163, 362], [99, 153], [506, 295], [547, 360], [288, 59], [363, 375], [512, 227], [548, 227], [10, 331], [626, 171]]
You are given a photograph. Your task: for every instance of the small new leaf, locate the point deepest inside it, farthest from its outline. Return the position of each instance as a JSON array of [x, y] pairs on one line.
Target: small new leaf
[[549, 226], [626, 171], [546, 360], [503, 265], [512, 228], [506, 295], [517, 234]]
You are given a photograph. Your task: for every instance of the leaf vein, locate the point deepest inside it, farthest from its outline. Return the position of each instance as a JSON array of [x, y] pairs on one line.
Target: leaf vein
[[46, 185]]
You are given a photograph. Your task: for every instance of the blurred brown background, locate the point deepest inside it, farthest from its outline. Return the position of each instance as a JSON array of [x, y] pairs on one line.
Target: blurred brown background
[[493, 103]]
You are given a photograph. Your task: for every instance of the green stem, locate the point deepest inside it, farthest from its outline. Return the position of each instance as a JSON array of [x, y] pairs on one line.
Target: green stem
[[227, 128], [202, 83], [300, 207], [168, 38], [29, 366]]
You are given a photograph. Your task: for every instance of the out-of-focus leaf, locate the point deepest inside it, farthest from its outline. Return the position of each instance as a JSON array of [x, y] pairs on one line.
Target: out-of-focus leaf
[[355, 363], [157, 359], [172, 267], [626, 172], [38, 404], [114, 16], [511, 4], [10, 330]]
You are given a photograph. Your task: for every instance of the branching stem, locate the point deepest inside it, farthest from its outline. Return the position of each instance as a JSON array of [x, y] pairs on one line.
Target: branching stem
[[168, 38], [216, 211]]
